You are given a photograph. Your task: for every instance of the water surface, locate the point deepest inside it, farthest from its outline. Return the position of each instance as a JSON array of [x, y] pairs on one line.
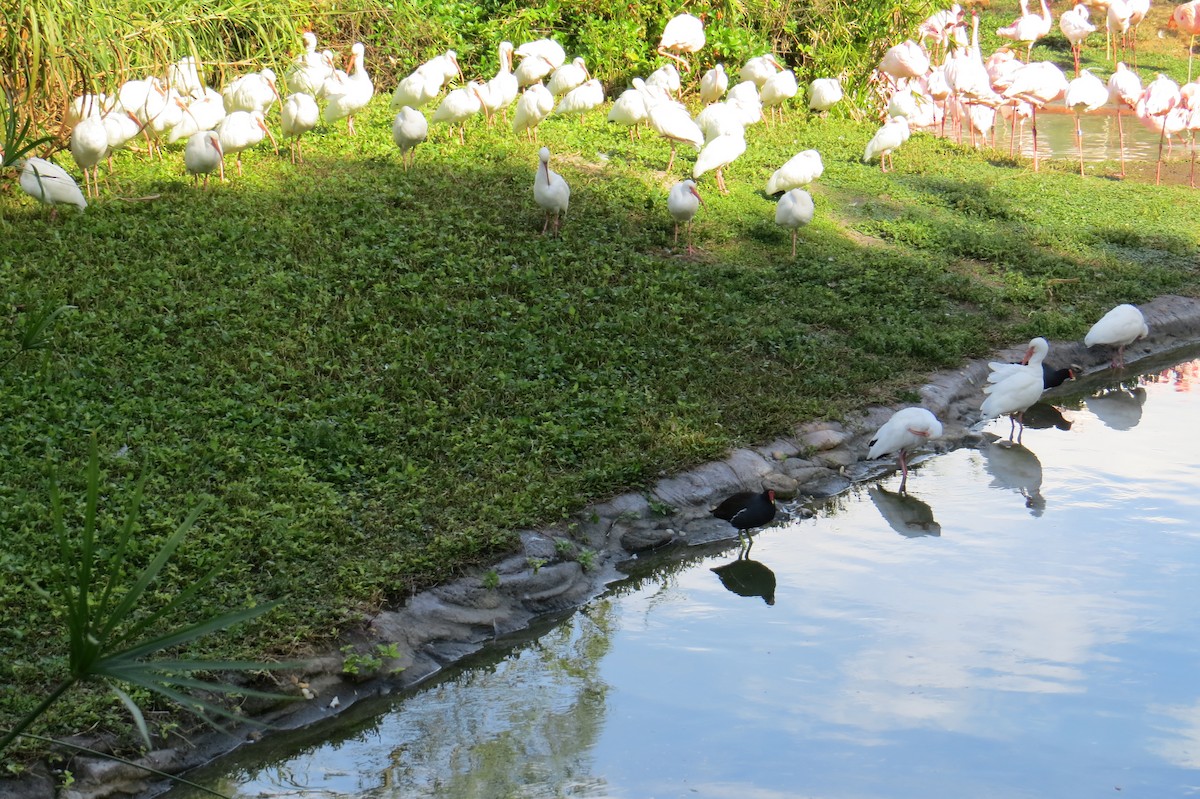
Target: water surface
[[1022, 625]]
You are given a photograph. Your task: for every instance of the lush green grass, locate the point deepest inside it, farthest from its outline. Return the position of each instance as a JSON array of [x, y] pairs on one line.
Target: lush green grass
[[378, 375]]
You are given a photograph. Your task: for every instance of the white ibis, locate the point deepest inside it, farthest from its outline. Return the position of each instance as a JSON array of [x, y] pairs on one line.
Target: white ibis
[[778, 89], [241, 130], [89, 145], [354, 95], [50, 184], [550, 191], [309, 70], [665, 78], [255, 91], [458, 106], [824, 93], [720, 153], [567, 77], [500, 92], [629, 109], [583, 98], [203, 154], [299, 115], [1013, 388], [409, 129], [184, 77], [535, 104], [908, 429], [799, 171], [673, 122], [714, 84], [1118, 328], [683, 202], [538, 59], [794, 210], [759, 69]]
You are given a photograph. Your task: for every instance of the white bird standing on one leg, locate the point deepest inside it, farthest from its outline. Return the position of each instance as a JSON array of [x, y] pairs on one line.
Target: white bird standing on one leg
[[794, 210], [908, 429], [550, 191]]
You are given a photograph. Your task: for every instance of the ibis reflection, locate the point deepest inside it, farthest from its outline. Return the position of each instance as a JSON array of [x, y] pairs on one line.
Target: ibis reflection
[[904, 513], [1017, 468], [1119, 408]]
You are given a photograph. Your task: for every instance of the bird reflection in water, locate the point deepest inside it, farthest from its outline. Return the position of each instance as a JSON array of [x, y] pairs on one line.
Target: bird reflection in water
[[1043, 416], [1119, 408], [1016, 468], [746, 577], [904, 513]]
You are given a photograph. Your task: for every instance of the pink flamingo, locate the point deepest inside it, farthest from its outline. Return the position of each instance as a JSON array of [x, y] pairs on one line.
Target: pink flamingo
[[1186, 19], [1075, 27], [1037, 84], [1153, 108], [1124, 90], [1028, 27]]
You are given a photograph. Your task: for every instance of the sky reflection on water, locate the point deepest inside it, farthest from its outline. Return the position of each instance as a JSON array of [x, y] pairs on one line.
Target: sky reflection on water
[[1025, 626]]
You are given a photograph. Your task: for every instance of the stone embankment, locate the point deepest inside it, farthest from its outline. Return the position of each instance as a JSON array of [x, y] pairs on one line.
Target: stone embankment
[[560, 568]]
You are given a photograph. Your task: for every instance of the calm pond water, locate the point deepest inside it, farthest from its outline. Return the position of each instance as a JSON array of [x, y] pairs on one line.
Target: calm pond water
[[1024, 626], [1101, 138]]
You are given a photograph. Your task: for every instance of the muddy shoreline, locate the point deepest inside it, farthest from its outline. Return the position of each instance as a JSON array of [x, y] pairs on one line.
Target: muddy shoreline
[[439, 627]]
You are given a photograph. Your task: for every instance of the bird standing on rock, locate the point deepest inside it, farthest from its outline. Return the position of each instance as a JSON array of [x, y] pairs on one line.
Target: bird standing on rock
[[746, 510], [1119, 327], [908, 429]]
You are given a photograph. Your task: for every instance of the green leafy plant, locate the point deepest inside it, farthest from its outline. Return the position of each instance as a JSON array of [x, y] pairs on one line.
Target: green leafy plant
[[365, 664], [110, 638], [17, 141], [491, 580], [36, 333]]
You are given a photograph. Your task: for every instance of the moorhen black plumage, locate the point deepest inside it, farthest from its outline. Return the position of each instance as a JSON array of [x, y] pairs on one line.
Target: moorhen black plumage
[[1053, 378], [746, 510]]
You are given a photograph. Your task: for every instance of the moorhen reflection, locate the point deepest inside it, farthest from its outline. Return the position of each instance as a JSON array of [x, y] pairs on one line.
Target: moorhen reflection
[[904, 513], [1043, 416], [1118, 408], [746, 577], [1016, 468]]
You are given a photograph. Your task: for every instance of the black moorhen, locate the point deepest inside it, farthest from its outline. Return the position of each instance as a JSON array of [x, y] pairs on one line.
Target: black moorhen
[[746, 510], [1053, 378]]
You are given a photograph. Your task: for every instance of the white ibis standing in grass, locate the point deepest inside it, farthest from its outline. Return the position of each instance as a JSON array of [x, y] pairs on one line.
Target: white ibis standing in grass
[[583, 98], [203, 154], [665, 78], [241, 130], [714, 84], [534, 105], [1118, 328], [684, 34], [794, 210], [310, 69], [824, 93], [355, 93], [759, 69], [299, 115], [50, 184], [567, 77], [908, 429], [672, 121], [719, 153], [184, 77], [409, 129], [255, 91], [683, 202], [799, 171], [89, 145], [746, 510], [629, 109], [1013, 388], [778, 89], [550, 191], [539, 58], [501, 90], [459, 106]]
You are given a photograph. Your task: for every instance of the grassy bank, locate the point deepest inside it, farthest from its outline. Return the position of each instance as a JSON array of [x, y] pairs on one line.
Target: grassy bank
[[377, 375]]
